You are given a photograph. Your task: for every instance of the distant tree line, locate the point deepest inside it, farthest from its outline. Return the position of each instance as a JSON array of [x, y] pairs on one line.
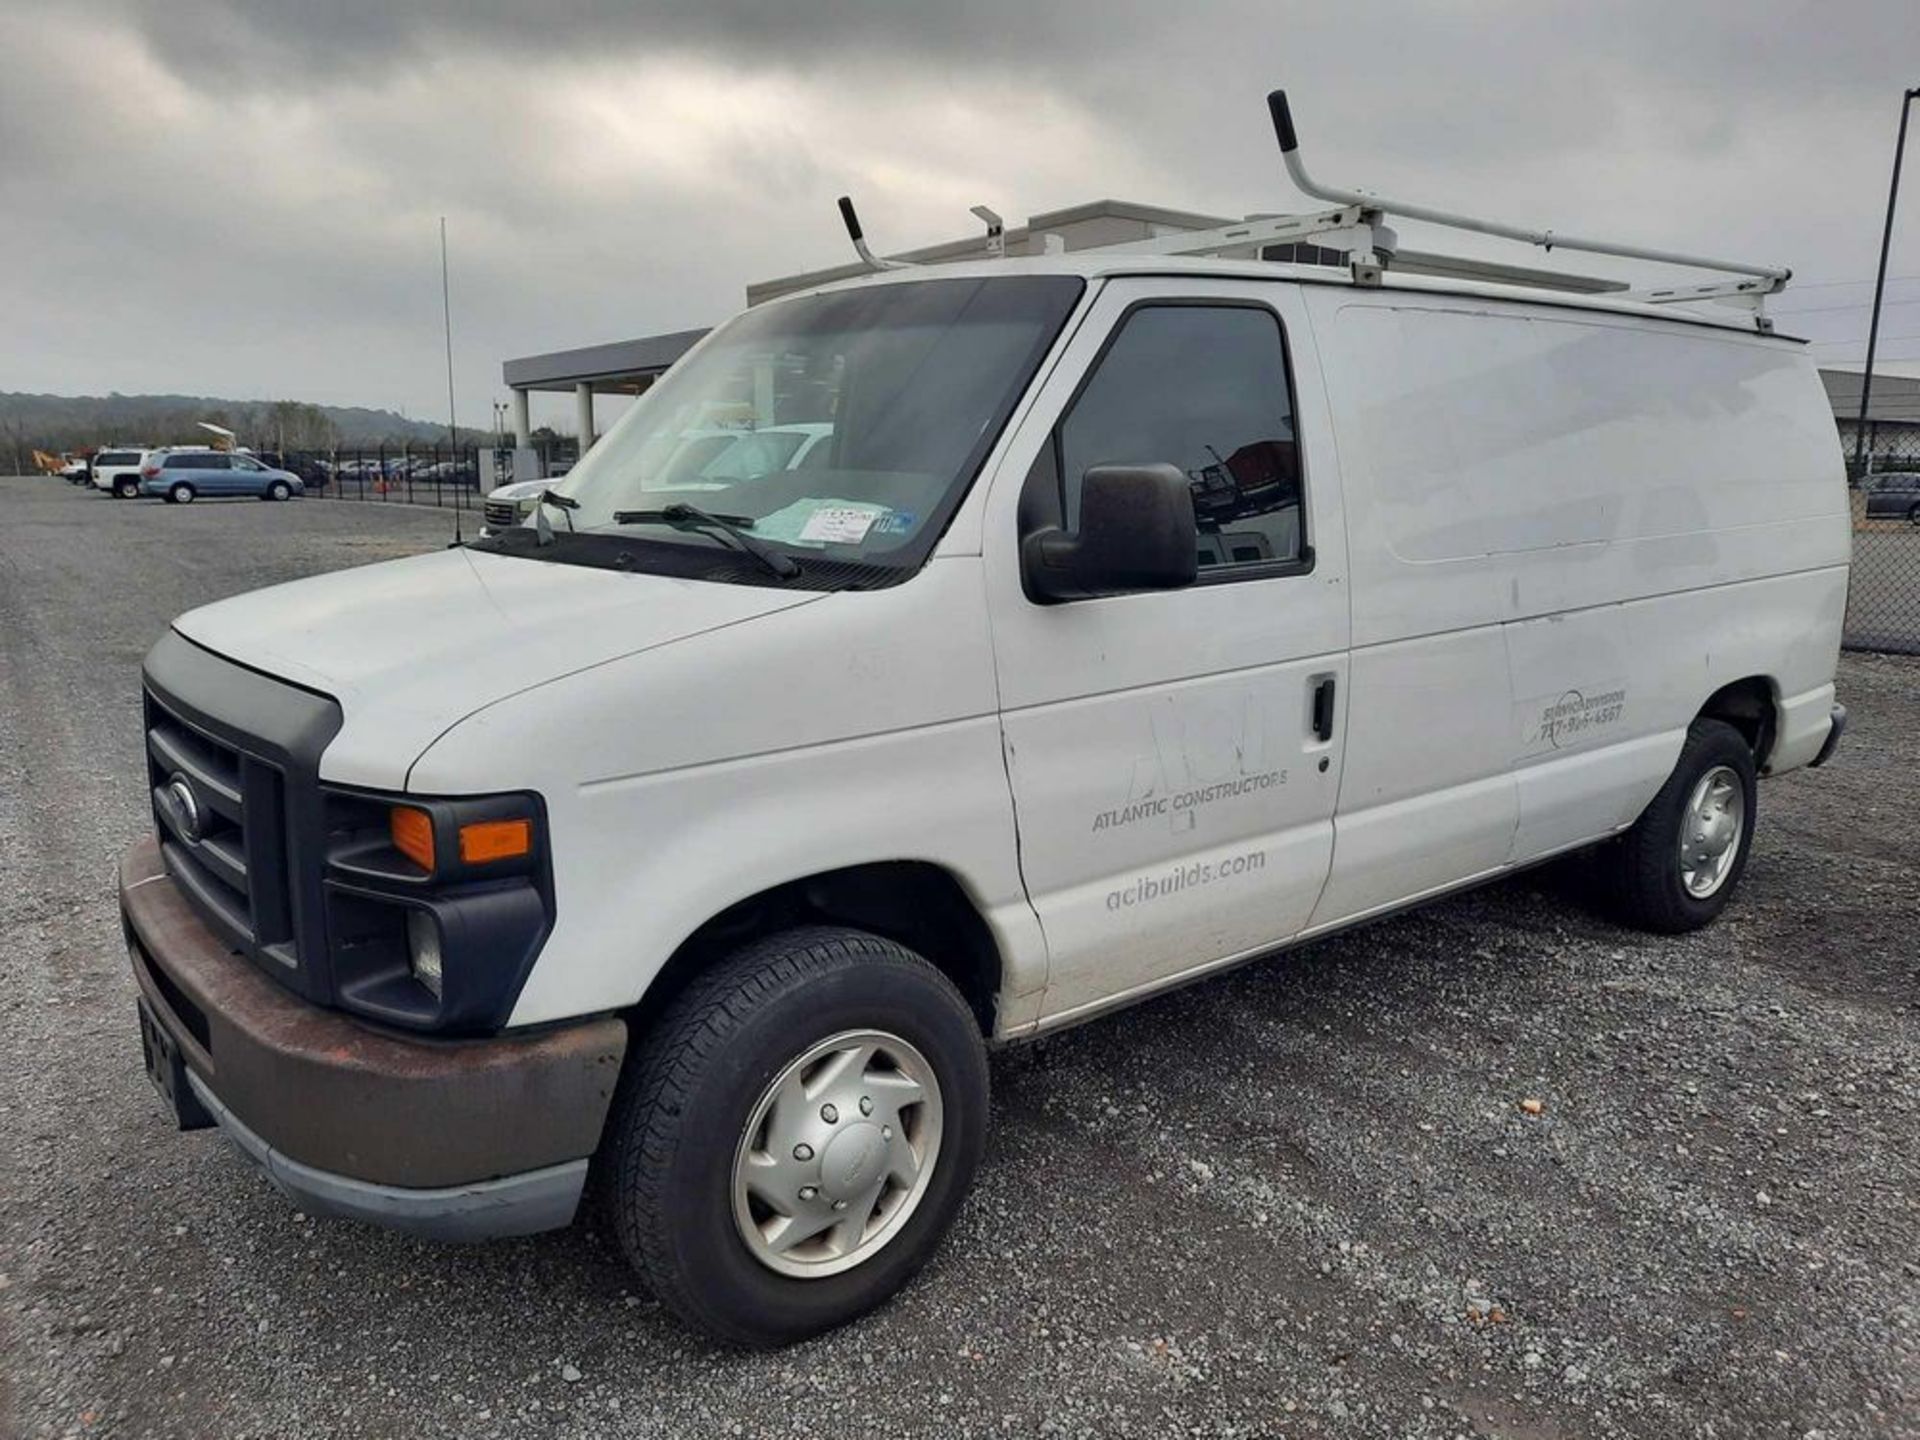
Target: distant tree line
[[73, 423]]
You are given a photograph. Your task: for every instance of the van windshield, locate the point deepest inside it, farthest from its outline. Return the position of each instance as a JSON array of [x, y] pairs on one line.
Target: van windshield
[[842, 427]]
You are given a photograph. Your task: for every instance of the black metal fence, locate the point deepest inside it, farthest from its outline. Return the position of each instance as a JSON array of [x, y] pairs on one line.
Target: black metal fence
[[1883, 602], [404, 475], [456, 476]]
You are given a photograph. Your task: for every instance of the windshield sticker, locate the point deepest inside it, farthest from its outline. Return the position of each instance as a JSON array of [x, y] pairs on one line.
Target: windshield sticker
[[792, 524], [839, 524]]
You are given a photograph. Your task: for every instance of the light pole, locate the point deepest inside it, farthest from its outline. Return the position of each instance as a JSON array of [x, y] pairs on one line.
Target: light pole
[[1860, 456]]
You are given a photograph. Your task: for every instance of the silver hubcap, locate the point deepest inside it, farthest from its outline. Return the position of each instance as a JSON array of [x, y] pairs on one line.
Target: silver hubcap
[[837, 1154], [1710, 831]]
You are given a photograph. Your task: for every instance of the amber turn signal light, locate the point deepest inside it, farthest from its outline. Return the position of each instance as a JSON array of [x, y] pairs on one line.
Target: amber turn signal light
[[412, 832], [486, 840]]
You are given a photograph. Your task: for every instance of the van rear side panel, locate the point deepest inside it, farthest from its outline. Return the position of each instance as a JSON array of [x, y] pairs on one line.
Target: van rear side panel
[[1634, 511], [1507, 461]]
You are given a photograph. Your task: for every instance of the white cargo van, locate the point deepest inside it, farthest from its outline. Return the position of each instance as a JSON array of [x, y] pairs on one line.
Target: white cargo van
[[1140, 613]]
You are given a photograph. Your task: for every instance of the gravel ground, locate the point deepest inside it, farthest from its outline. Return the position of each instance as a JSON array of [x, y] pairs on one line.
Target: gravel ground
[[1303, 1199]]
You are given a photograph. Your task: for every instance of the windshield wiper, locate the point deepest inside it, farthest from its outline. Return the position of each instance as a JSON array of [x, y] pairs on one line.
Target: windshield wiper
[[691, 517]]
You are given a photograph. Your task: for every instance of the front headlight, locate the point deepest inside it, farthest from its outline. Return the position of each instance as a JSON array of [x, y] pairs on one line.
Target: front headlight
[[435, 907]]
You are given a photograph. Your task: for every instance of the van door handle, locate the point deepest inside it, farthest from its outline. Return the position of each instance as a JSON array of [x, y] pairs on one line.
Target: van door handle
[[1323, 709]]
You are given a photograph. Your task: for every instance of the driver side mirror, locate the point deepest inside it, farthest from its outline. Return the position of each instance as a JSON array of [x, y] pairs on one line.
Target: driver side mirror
[[1137, 532]]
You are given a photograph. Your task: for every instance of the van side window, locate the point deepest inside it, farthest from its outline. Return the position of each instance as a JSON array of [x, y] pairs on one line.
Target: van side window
[[1204, 388]]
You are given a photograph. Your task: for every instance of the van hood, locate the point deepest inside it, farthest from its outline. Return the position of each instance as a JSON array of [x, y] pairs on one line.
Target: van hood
[[412, 647]]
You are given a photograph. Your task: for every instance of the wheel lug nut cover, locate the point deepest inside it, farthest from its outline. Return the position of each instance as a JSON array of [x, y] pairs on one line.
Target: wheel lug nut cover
[[866, 1105], [839, 1204], [808, 1192], [829, 1114], [803, 1151]]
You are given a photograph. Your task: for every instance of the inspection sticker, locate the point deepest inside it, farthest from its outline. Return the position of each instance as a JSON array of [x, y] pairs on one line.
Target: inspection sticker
[[838, 525]]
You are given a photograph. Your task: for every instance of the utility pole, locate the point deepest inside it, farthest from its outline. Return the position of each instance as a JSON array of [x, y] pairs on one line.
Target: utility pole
[[1861, 459], [446, 310]]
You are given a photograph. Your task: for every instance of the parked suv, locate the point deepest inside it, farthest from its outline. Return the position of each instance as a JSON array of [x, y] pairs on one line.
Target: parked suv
[[1895, 496], [1138, 616], [180, 476], [117, 472]]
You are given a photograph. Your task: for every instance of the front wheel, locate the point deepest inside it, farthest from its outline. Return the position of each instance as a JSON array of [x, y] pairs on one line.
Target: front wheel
[[279, 490], [1677, 867], [796, 1134], [1913, 516], [180, 493]]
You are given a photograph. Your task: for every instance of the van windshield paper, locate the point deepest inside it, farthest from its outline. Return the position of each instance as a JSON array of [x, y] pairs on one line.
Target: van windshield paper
[[820, 522]]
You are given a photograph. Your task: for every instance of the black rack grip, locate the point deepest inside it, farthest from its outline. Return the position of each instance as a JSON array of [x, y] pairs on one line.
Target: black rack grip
[[852, 220], [1282, 121]]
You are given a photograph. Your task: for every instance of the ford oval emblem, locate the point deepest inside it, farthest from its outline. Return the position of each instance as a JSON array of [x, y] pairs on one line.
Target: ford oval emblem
[[186, 808]]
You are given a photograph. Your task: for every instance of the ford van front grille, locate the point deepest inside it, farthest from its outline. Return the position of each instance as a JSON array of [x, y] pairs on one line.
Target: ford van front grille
[[221, 817], [233, 774]]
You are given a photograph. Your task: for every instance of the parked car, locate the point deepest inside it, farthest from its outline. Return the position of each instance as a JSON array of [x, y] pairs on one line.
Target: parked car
[[447, 473], [311, 469], [181, 476], [76, 469], [117, 472], [709, 842], [1895, 495]]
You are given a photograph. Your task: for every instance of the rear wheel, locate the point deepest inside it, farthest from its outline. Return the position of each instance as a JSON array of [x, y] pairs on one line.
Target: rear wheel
[[279, 490], [125, 489], [1913, 515], [1677, 867], [796, 1134], [180, 493]]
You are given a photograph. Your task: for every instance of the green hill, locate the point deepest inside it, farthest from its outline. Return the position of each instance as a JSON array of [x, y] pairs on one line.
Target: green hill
[[76, 422]]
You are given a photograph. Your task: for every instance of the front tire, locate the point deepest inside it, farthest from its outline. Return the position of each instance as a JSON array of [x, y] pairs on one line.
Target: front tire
[[180, 493], [1678, 866], [279, 490], [796, 1133]]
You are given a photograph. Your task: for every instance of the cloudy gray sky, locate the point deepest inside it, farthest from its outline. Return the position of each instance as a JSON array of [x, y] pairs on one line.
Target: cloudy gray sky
[[242, 197]]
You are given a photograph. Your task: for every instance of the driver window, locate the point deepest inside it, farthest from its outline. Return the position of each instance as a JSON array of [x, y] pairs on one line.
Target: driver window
[[1204, 388]]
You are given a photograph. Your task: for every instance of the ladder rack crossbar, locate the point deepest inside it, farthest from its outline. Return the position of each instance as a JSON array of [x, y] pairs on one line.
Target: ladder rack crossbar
[[1345, 223]]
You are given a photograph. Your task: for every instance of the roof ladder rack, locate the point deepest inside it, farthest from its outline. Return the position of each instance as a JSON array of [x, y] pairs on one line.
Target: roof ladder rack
[[1359, 227]]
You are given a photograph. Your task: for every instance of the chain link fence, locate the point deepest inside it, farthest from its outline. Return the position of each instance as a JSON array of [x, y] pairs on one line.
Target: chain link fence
[[1883, 603]]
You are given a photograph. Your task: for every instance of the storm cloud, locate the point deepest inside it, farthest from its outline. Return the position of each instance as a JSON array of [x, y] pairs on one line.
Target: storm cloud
[[242, 197]]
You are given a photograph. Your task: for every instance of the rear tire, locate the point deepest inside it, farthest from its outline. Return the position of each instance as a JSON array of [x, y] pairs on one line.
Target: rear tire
[[180, 493], [1678, 866], [817, 1035], [126, 489], [1913, 516]]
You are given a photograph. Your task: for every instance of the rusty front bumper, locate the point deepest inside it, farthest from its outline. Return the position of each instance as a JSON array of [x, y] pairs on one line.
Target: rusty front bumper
[[461, 1139]]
